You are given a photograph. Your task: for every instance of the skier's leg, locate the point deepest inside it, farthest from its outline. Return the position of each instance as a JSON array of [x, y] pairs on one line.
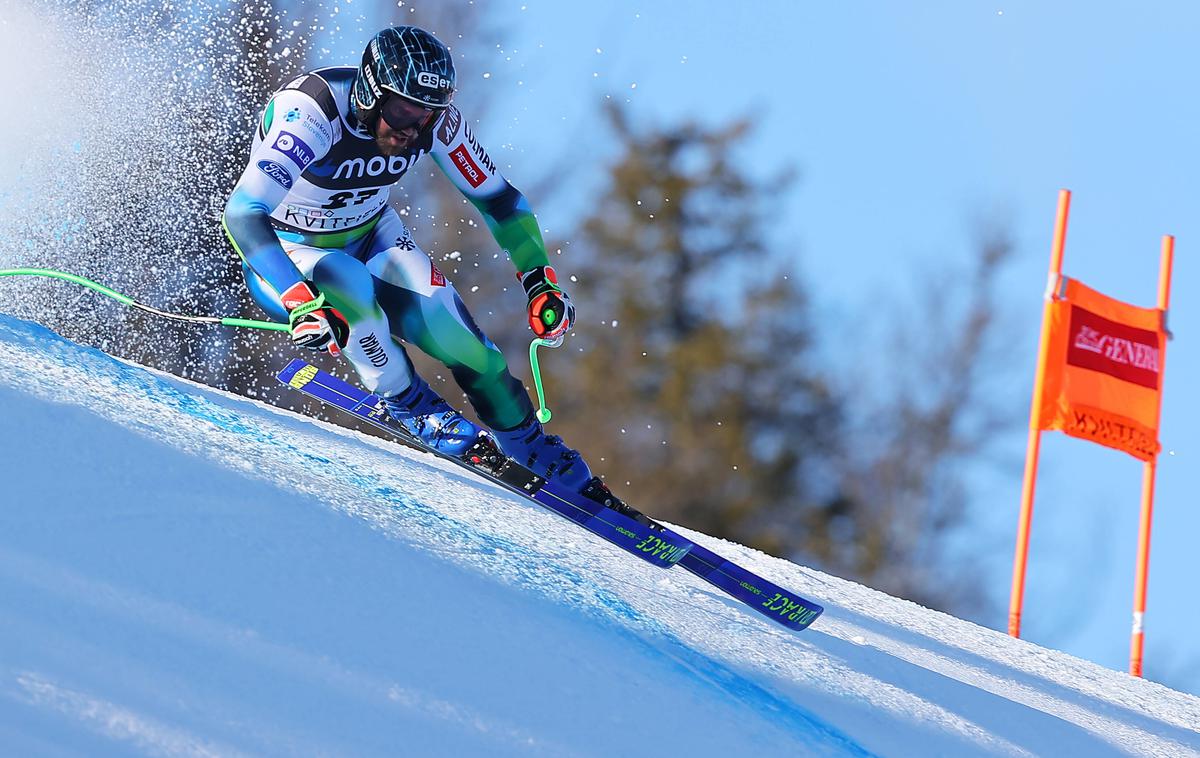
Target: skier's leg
[[425, 310], [380, 361]]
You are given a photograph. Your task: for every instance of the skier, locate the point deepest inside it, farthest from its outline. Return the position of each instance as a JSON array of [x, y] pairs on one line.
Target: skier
[[322, 250]]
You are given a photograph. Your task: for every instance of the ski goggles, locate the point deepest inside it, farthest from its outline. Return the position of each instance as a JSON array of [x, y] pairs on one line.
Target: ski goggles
[[401, 114]]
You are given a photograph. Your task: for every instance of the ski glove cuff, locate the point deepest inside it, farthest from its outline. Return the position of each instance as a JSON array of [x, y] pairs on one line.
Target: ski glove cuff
[[314, 325], [551, 314]]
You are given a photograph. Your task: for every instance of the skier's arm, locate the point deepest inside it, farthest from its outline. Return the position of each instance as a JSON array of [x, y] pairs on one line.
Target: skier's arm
[[505, 210], [467, 164], [292, 134]]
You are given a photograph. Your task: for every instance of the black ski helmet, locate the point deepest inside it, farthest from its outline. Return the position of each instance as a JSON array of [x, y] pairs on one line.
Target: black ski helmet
[[406, 61]]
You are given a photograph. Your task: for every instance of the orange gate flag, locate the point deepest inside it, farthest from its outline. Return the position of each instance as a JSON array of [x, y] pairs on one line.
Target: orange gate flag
[[1103, 370]]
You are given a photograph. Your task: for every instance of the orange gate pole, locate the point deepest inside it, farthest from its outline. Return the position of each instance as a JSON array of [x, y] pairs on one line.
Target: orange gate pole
[[1017, 598], [1148, 471]]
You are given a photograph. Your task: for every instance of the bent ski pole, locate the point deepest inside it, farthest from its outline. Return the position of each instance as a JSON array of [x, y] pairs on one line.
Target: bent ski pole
[[543, 412], [126, 300]]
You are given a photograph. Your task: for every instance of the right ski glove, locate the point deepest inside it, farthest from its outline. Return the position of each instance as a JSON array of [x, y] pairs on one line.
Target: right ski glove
[[314, 325], [551, 314]]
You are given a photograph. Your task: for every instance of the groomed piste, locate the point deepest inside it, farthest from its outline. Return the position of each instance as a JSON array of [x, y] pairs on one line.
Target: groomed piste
[[185, 572]]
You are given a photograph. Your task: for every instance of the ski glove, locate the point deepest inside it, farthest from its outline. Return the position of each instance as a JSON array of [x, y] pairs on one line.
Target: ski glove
[[314, 325], [551, 314]]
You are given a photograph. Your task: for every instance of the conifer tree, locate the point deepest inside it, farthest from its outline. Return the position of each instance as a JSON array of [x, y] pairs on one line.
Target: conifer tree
[[699, 389]]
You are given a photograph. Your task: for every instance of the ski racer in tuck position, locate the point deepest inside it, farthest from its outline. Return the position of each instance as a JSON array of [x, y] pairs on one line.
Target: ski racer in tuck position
[[322, 250]]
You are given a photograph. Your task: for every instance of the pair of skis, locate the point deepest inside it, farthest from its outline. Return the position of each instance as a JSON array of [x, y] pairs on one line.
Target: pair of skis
[[644, 538]]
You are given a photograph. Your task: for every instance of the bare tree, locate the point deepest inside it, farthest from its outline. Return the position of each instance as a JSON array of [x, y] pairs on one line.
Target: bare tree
[[943, 403]]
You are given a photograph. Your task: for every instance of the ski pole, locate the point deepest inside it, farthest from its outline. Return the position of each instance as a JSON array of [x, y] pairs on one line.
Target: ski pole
[[126, 300], [543, 412]]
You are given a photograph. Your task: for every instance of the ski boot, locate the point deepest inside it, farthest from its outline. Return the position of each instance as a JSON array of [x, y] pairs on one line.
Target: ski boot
[[544, 454], [430, 419], [548, 456]]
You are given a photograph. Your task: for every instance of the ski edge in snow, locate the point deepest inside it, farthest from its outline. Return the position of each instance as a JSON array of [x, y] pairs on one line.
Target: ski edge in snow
[[663, 549], [658, 546], [776, 603]]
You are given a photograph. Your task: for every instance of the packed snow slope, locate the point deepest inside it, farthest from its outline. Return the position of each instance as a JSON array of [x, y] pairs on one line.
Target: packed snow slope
[[185, 573]]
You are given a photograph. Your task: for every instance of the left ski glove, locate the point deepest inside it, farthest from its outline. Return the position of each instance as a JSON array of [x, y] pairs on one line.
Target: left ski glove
[[551, 314], [314, 325]]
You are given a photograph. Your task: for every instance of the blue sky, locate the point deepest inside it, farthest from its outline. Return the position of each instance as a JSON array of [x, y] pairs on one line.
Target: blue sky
[[907, 122]]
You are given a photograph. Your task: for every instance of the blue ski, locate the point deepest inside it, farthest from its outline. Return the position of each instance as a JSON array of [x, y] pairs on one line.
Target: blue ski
[[663, 548], [651, 542], [781, 606]]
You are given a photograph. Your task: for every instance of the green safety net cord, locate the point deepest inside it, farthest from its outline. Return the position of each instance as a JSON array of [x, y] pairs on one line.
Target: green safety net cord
[[543, 412]]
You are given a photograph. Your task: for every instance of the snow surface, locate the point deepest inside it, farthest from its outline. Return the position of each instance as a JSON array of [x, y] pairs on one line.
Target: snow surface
[[188, 573]]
